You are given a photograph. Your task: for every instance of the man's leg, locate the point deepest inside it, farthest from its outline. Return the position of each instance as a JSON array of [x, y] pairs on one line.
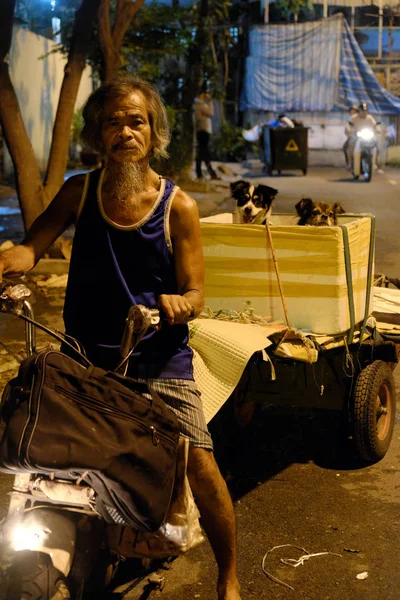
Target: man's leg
[[206, 154], [345, 150], [217, 517]]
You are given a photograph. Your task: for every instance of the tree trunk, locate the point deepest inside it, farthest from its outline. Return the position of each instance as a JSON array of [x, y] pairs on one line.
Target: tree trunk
[[28, 180], [111, 38], [194, 79], [84, 20]]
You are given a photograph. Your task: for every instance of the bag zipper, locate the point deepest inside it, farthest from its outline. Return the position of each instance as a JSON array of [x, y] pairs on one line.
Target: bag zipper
[[23, 447], [87, 401]]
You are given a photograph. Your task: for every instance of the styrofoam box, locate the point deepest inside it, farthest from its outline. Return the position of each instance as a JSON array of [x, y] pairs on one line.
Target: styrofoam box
[[239, 270]]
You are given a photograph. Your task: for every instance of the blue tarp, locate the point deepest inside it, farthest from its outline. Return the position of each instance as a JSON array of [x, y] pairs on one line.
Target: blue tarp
[[315, 66]]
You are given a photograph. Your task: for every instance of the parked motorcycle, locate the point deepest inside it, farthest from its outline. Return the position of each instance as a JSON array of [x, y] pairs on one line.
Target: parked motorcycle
[[53, 527], [364, 155]]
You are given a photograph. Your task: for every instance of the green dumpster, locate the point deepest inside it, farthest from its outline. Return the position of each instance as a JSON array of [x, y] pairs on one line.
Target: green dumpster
[[288, 149]]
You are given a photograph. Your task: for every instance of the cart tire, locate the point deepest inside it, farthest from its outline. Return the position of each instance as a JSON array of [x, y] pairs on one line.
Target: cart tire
[[374, 411]]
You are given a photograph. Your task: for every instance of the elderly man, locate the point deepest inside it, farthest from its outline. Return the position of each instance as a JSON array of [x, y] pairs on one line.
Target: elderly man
[[137, 241]]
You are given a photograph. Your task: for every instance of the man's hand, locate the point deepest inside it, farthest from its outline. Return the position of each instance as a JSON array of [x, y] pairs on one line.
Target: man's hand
[[176, 309]]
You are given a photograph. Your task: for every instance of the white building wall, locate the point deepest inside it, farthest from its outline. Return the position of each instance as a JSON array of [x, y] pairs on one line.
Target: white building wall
[[326, 128], [37, 77]]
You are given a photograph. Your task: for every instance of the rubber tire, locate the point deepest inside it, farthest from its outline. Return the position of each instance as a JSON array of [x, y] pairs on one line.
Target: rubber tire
[[33, 577], [374, 389], [368, 179]]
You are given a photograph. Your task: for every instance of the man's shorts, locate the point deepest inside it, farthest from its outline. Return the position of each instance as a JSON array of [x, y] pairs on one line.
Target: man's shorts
[[183, 397]]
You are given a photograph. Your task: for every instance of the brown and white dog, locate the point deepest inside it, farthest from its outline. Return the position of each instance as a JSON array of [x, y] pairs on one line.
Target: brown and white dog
[[253, 202], [318, 214]]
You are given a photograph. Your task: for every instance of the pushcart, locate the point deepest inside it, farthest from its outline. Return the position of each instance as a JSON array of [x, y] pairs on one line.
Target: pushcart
[[353, 374]]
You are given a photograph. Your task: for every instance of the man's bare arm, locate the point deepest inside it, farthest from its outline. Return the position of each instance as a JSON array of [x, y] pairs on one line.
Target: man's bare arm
[[188, 257], [60, 213]]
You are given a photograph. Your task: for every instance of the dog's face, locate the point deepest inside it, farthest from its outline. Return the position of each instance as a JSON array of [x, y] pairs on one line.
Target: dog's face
[[318, 213], [252, 200]]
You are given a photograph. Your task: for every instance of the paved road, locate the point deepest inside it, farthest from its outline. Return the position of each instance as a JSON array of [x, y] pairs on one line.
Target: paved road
[[292, 480]]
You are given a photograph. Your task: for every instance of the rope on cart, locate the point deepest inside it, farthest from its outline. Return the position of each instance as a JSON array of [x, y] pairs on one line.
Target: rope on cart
[[278, 277]]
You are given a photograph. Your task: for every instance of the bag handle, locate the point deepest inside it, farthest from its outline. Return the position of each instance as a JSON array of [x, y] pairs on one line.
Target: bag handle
[[61, 337]]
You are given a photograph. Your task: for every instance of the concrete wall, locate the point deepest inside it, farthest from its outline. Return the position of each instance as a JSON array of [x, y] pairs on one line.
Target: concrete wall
[[37, 82]]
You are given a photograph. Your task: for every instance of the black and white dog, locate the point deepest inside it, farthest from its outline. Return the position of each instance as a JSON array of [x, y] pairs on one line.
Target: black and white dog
[[253, 202]]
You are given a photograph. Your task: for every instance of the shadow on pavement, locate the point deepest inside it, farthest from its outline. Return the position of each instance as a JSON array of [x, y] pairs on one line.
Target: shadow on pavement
[[346, 180], [275, 439]]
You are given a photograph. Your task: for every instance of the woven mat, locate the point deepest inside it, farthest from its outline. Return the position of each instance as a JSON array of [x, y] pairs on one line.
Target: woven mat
[[221, 352]]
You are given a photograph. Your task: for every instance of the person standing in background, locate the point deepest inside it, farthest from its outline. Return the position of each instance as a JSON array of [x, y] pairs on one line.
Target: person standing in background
[[203, 111], [353, 111]]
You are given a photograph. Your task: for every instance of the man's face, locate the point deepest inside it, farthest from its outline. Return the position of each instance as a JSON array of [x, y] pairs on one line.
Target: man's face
[[126, 130], [362, 113]]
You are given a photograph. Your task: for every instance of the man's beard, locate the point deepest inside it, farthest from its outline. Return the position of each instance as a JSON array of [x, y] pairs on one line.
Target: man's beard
[[127, 179]]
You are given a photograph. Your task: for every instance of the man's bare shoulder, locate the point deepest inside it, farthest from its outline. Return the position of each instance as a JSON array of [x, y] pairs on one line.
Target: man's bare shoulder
[[74, 184], [70, 193], [184, 213], [184, 204]]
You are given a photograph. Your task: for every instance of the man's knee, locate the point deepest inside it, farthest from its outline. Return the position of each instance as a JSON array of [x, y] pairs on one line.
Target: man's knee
[[202, 465]]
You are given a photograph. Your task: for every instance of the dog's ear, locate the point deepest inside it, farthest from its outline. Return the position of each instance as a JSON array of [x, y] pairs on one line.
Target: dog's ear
[[303, 206], [338, 209], [239, 185], [265, 190], [267, 194]]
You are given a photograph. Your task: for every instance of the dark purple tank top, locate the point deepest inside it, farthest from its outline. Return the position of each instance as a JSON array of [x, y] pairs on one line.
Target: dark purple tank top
[[113, 268]]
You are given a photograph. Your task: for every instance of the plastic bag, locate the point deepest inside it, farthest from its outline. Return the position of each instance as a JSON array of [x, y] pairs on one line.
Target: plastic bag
[[181, 530], [252, 135]]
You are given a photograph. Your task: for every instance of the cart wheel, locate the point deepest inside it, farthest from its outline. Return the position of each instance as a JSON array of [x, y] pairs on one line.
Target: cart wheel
[[374, 410], [304, 171]]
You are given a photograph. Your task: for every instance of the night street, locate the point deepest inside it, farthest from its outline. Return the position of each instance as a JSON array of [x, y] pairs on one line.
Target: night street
[[293, 480]]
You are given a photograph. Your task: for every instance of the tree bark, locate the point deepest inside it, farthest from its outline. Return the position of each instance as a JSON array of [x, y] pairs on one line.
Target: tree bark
[[56, 167], [28, 180], [193, 81], [111, 38]]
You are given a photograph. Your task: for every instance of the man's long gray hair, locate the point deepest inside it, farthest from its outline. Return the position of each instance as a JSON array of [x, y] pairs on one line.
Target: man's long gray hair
[[120, 86]]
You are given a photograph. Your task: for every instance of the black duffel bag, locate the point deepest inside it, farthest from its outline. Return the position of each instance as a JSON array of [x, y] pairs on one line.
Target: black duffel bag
[[61, 415]]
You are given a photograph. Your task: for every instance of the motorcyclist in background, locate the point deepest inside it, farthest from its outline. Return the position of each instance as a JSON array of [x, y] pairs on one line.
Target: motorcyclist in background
[[358, 122]]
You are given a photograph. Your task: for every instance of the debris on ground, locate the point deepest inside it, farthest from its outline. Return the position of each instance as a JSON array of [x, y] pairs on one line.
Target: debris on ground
[[362, 575], [54, 281], [292, 562], [226, 170]]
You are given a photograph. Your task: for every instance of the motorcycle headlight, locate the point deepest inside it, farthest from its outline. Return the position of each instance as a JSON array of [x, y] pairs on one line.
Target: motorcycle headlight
[[366, 134], [27, 538]]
